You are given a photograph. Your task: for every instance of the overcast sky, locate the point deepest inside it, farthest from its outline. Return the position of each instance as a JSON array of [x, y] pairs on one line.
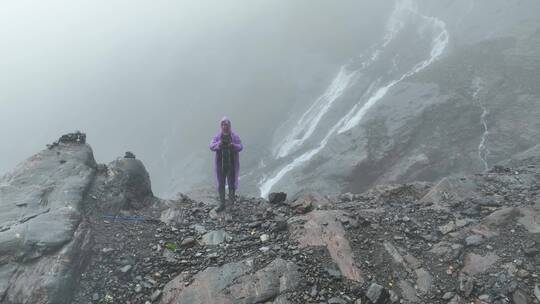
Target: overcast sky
[[154, 77]]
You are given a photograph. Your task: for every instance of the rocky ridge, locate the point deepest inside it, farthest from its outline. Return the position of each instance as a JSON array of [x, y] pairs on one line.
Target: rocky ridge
[[464, 239]]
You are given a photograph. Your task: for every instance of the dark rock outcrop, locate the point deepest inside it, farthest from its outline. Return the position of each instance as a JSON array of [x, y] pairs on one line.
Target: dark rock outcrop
[[277, 197], [124, 184], [44, 240]]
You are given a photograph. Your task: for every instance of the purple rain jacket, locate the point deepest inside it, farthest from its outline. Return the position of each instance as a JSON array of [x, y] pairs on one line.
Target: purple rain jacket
[[236, 148]]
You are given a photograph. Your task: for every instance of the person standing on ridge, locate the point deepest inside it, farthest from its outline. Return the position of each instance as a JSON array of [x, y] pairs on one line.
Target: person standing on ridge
[[227, 146]]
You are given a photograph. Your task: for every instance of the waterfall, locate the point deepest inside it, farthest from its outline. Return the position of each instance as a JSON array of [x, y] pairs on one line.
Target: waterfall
[[438, 46], [403, 9], [310, 119], [483, 151]]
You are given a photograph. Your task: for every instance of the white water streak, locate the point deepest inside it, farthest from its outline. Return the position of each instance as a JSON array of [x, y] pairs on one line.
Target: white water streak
[[267, 185], [483, 150], [355, 115], [438, 46], [311, 118]]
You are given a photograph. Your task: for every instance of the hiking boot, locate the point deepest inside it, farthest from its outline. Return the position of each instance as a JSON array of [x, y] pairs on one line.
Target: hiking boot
[[232, 196], [221, 204]]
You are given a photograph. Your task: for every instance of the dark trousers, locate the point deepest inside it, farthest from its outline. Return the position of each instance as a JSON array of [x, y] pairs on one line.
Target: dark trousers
[[226, 178]]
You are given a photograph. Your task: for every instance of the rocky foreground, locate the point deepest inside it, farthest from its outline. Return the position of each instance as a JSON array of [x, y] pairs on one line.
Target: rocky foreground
[[73, 231]]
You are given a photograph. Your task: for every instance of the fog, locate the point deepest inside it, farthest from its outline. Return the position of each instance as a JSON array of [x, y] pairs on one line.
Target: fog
[[155, 77]]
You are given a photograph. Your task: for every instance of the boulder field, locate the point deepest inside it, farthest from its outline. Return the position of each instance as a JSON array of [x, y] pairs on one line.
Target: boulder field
[[74, 231]]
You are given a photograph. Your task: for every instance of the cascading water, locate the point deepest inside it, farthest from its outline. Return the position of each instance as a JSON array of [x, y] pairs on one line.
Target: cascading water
[[403, 9], [309, 121], [483, 151], [311, 118], [438, 46]]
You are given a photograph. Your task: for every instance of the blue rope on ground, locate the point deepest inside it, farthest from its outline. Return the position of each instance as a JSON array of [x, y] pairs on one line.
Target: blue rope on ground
[[124, 217]]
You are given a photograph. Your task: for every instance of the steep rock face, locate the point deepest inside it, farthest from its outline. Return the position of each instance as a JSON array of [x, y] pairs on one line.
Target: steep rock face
[[44, 240], [450, 89]]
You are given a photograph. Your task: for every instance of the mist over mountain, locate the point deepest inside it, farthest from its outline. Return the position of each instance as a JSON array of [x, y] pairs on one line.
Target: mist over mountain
[[391, 152], [326, 96], [156, 78], [447, 89]]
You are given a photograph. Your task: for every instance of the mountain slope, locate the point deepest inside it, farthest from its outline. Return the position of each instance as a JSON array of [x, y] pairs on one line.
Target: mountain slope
[[440, 94]]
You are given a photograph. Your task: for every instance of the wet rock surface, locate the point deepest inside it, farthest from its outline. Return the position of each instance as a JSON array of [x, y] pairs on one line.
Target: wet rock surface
[[470, 239], [410, 243], [44, 237]]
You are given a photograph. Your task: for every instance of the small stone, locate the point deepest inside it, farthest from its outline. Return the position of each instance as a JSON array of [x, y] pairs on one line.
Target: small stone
[[376, 293], [265, 238], [484, 298], [537, 292], [466, 285], [277, 197], [126, 268], [107, 250], [169, 256], [346, 197], [213, 214], [474, 264], [199, 228], [214, 238], [449, 295], [155, 295], [394, 297], [95, 296], [424, 280], [333, 272], [474, 240], [461, 223], [532, 251], [337, 300], [445, 229], [314, 291], [138, 288], [254, 225], [413, 262], [188, 242], [264, 249], [522, 273], [456, 300], [519, 297]]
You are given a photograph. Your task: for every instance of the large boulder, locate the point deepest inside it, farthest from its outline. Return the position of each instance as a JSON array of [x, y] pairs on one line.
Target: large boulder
[[324, 228], [44, 241], [237, 282], [126, 184], [306, 202]]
